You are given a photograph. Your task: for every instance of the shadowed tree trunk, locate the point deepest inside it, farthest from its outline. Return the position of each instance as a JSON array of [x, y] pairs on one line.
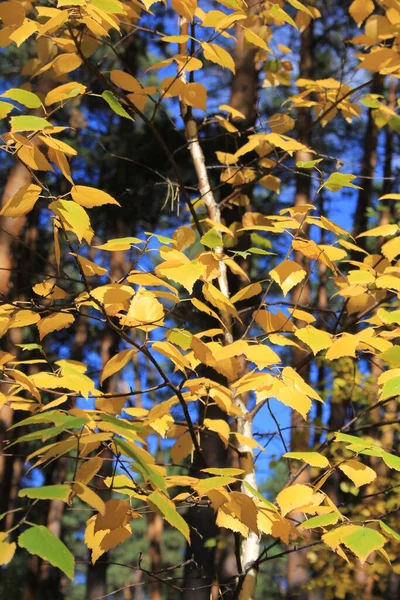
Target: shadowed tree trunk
[[365, 195], [298, 570]]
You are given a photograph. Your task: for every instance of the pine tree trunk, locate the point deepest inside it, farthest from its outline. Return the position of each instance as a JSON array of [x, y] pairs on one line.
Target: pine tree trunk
[[298, 570]]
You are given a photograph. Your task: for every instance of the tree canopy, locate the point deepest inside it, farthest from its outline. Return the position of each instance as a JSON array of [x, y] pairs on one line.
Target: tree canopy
[[199, 299]]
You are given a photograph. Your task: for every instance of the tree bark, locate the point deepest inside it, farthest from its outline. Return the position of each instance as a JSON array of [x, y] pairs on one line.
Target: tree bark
[[298, 570]]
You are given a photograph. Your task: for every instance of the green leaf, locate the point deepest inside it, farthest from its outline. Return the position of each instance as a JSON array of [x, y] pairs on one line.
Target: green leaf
[[391, 461], [109, 6], [391, 533], [168, 510], [121, 423], [28, 123], [320, 521], [308, 164], [115, 105], [46, 492], [53, 416], [392, 356], [180, 337], [39, 540], [372, 100], [147, 470], [28, 99], [352, 439], [315, 459], [260, 496], [211, 483], [211, 239], [363, 541], [260, 251], [337, 181], [29, 347], [231, 472], [161, 238], [390, 388], [394, 124]]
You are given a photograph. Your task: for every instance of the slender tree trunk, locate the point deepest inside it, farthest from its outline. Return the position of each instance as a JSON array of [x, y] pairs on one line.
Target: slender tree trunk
[[96, 583], [298, 571], [244, 89], [365, 195]]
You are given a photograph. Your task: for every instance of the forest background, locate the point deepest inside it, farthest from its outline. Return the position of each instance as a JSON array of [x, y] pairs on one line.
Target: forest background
[[199, 384]]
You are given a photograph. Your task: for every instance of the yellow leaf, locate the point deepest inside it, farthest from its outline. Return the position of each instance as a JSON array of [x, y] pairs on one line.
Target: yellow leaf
[[218, 55], [7, 549], [90, 197], [194, 94], [182, 448], [244, 440], [247, 292], [184, 237], [162, 425], [88, 469], [302, 315], [382, 230], [235, 114], [294, 398], [285, 143], [88, 267], [65, 63], [117, 513], [12, 13], [388, 282], [287, 274], [278, 13], [61, 161], [23, 318], [58, 145], [74, 218], [20, 35], [316, 339], [227, 520], [273, 323], [359, 473], [255, 39], [170, 351], [295, 496], [145, 311], [47, 289], [112, 294], [360, 10], [315, 459], [217, 299], [185, 8], [220, 427], [184, 274], [391, 249], [64, 92], [54, 322], [34, 159], [53, 23], [102, 541], [243, 508], [26, 382], [261, 355], [89, 497], [22, 202], [116, 363], [344, 346], [110, 405]]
